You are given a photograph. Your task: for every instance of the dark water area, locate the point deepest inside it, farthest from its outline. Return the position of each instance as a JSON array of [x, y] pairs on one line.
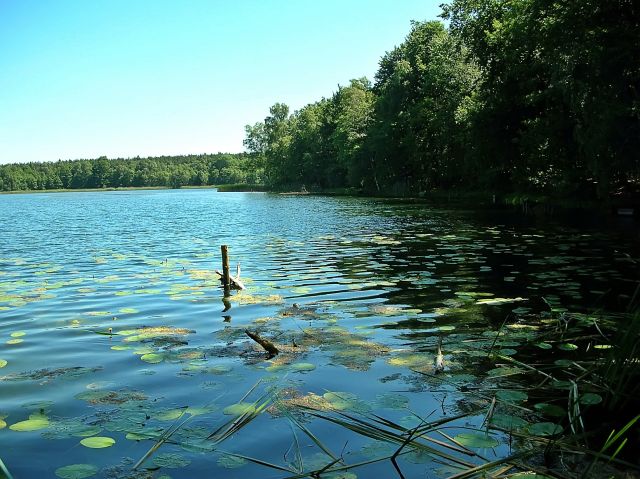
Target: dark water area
[[113, 326]]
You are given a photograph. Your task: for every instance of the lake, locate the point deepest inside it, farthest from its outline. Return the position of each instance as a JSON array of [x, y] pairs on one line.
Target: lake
[[114, 335]]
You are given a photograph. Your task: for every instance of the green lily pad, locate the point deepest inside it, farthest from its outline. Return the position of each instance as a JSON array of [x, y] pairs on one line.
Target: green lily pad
[[34, 423], [97, 442], [512, 396], [128, 310], [392, 401], [550, 410], [561, 384], [18, 334], [170, 460], [170, 414], [446, 328], [2, 424], [152, 358], [529, 475], [543, 345], [15, 341], [3, 363], [507, 421], [504, 371], [239, 409], [76, 471], [563, 363], [231, 462], [477, 440], [567, 347], [220, 369], [545, 429], [302, 367], [589, 399]]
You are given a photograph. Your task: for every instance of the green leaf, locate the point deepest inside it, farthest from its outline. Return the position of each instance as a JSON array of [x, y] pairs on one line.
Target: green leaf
[[3, 363], [152, 358], [170, 460], [589, 399], [550, 409], [76, 471], [239, 408], [33, 424], [97, 442], [302, 367], [567, 347], [231, 462], [512, 396], [545, 429], [506, 421], [170, 414], [563, 363], [543, 345], [478, 440], [504, 371]]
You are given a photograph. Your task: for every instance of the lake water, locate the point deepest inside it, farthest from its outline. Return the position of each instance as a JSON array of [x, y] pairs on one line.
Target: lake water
[[113, 327]]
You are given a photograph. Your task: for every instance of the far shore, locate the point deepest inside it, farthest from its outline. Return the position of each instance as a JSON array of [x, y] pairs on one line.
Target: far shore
[[123, 188]]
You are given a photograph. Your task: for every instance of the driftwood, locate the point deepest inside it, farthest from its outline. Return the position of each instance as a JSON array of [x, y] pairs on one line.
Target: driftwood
[[234, 281], [268, 346]]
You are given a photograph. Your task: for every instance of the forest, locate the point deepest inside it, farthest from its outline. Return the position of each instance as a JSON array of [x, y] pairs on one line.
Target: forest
[[508, 96], [502, 96], [163, 171]]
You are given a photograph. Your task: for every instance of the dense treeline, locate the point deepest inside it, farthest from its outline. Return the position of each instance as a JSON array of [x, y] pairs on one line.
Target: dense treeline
[[170, 171], [531, 96]]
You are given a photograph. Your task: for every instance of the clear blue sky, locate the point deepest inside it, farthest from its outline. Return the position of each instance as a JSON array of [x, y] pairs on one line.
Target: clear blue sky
[[85, 78]]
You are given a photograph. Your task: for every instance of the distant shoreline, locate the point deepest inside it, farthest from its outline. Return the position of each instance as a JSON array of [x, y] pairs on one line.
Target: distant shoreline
[[123, 188]]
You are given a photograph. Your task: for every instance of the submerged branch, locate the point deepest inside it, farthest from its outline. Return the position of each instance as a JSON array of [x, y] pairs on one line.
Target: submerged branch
[[268, 346]]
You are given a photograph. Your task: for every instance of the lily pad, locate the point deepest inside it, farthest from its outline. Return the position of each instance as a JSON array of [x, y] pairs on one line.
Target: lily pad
[[529, 475], [3, 363], [170, 460], [476, 440], [302, 367], [231, 462], [512, 396], [504, 371], [18, 334], [507, 421], [34, 423], [589, 399], [15, 341], [392, 401], [239, 409], [170, 414], [128, 310], [567, 346], [152, 358], [550, 410], [220, 369], [545, 429], [76, 471], [98, 442]]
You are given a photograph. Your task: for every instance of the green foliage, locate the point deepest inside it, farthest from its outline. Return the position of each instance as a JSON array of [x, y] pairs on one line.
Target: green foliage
[[517, 96], [167, 171]]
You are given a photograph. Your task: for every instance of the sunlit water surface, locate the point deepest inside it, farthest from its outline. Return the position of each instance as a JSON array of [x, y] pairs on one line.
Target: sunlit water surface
[[355, 291]]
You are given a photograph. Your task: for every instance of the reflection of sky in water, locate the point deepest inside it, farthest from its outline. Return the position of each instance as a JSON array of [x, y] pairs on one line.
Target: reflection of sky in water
[[375, 282]]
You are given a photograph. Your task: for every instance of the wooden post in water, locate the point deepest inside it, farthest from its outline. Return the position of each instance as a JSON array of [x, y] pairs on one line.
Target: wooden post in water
[[226, 281]]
